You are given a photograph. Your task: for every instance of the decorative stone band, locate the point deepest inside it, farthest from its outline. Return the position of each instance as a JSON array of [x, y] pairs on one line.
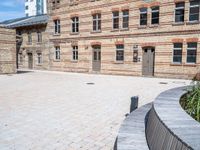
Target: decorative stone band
[[169, 126]]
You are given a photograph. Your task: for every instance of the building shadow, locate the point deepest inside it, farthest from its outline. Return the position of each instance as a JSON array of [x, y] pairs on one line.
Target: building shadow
[[115, 145], [23, 72]]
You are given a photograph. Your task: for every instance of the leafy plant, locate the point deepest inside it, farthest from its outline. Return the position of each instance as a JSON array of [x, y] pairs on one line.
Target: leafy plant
[[191, 101]]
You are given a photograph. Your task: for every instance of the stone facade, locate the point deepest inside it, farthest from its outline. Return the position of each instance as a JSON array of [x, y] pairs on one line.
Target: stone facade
[[136, 39], [7, 51], [32, 47]]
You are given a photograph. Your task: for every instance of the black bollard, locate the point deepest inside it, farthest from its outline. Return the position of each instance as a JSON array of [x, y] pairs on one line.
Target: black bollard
[[134, 103]]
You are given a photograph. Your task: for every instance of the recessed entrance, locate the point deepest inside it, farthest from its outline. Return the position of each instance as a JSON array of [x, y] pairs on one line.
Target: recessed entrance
[[30, 60], [96, 58], [148, 61]]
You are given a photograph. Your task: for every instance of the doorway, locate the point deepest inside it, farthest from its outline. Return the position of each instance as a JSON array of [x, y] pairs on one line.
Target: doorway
[[148, 61], [30, 60], [96, 58]]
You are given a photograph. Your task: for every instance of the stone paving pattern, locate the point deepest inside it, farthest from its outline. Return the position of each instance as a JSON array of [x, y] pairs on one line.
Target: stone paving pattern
[[44, 110]]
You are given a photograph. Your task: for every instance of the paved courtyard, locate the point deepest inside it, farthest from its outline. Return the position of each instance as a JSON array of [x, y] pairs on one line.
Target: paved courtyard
[[59, 111]]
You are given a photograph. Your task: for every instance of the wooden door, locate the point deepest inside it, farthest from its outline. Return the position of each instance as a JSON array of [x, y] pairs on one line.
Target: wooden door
[[148, 61], [30, 60], [96, 58]]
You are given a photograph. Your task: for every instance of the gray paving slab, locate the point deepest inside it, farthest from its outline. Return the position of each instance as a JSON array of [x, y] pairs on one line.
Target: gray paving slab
[[44, 110]]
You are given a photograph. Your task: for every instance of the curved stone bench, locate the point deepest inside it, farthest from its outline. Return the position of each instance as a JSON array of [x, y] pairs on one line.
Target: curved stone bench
[[131, 134], [169, 127]]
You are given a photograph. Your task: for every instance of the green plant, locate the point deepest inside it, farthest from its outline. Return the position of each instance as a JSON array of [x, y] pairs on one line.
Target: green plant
[[191, 101]]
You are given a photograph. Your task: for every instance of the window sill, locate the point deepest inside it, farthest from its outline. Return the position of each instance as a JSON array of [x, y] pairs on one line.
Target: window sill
[[93, 32], [115, 30], [190, 65], [74, 33], [142, 26], [74, 61], [176, 64], [124, 29], [56, 34], [154, 26], [119, 62], [29, 43], [39, 43], [192, 22], [39, 64], [178, 23], [56, 60]]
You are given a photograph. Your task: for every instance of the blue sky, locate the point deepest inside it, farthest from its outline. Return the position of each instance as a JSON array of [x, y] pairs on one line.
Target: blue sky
[[10, 9]]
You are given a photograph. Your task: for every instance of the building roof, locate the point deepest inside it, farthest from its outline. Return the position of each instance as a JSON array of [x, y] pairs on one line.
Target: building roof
[[25, 21]]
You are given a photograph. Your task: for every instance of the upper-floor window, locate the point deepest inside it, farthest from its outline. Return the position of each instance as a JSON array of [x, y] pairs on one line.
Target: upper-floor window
[[177, 52], [55, 4], [57, 53], [116, 20], [75, 52], [29, 38], [39, 37], [120, 52], [75, 24], [125, 19], [57, 26], [179, 12], [96, 22], [191, 52], [194, 10], [143, 16], [155, 15]]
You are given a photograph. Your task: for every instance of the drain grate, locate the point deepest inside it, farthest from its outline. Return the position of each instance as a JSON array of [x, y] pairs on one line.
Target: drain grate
[[163, 83], [90, 83]]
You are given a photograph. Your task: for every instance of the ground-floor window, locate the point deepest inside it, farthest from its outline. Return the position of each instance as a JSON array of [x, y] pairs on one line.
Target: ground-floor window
[[120, 52], [75, 52], [191, 52], [39, 58], [20, 58], [177, 53], [57, 53]]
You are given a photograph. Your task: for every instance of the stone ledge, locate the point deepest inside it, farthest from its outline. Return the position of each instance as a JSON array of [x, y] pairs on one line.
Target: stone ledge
[[169, 125]]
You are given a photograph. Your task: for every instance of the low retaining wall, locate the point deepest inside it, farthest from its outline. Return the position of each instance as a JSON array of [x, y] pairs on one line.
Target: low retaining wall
[[169, 127]]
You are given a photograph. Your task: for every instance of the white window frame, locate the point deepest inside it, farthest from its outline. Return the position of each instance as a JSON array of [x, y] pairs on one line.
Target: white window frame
[[191, 49], [193, 7], [123, 17], [76, 24], [57, 53], [97, 21], [119, 49], [181, 49], [39, 58], [75, 53], [115, 17], [179, 8], [57, 27]]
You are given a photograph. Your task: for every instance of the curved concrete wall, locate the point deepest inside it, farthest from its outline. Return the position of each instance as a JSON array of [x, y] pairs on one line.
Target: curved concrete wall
[[169, 127]]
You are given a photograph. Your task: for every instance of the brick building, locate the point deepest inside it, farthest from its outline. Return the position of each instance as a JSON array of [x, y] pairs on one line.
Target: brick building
[[32, 41], [7, 51], [150, 38]]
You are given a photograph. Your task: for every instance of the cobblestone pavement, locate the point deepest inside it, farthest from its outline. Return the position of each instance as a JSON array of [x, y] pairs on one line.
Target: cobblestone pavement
[[44, 110]]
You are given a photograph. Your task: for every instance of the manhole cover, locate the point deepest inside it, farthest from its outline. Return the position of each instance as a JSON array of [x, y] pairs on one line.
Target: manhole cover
[[90, 83], [163, 83]]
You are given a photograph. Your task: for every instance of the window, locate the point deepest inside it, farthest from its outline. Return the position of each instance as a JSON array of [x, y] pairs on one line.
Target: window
[[116, 20], [39, 58], [39, 37], [120, 52], [191, 52], [96, 22], [143, 16], [75, 24], [55, 4], [57, 52], [29, 38], [177, 53], [20, 58], [179, 12], [75, 52], [155, 15], [194, 10], [57, 26], [26, 7], [125, 19]]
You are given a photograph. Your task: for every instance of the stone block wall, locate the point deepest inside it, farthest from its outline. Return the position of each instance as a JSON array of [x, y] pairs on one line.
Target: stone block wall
[[7, 51]]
